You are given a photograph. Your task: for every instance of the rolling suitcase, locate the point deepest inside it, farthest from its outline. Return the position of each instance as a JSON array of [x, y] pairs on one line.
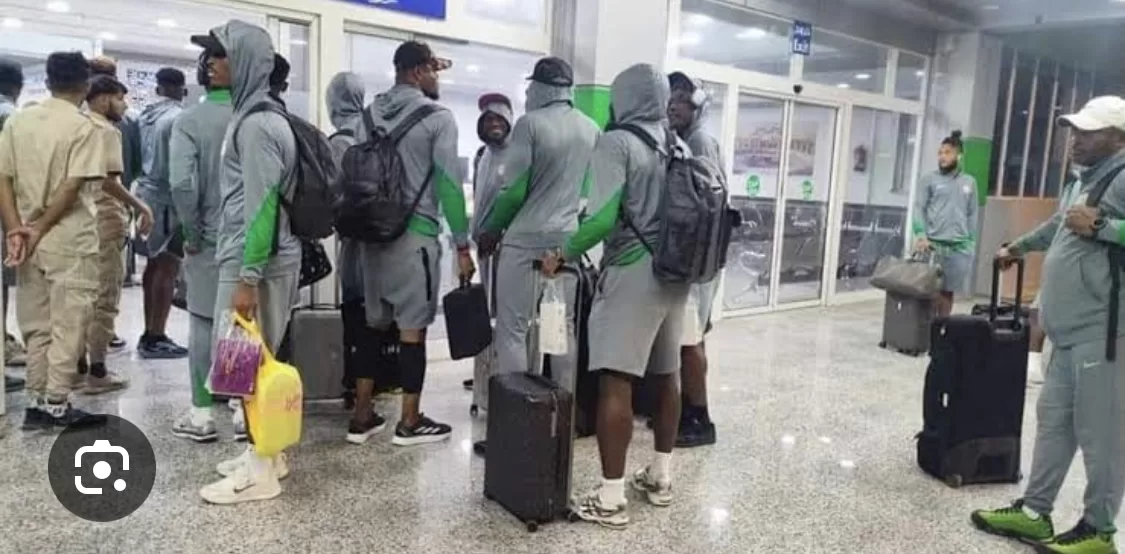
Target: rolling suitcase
[[906, 323], [527, 469], [974, 395], [468, 323], [315, 346]]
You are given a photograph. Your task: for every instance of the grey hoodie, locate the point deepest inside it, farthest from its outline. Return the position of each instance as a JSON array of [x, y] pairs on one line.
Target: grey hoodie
[[431, 144], [490, 169], [544, 170], [259, 164], [628, 176], [130, 147], [945, 210], [156, 133], [1074, 300], [195, 161], [345, 109], [705, 146]]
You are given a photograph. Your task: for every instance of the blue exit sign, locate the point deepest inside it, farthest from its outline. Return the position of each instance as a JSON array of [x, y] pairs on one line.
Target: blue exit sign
[[802, 38], [433, 9]]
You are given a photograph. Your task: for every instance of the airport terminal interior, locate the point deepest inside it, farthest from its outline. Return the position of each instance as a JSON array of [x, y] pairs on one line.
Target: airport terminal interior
[[828, 114]]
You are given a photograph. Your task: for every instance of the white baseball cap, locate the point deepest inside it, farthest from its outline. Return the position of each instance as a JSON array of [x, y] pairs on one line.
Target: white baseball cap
[[1103, 112]]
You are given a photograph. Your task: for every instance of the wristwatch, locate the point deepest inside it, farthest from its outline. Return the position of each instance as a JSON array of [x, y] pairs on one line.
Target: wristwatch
[[1099, 224]]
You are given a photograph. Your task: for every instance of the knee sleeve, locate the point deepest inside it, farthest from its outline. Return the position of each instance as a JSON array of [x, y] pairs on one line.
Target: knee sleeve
[[355, 338], [412, 363]]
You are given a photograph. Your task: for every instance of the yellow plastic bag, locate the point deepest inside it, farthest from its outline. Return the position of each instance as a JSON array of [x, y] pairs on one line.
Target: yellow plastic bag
[[275, 410]]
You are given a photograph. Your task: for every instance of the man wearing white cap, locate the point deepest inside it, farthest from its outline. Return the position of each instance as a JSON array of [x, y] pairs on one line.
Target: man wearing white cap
[[1082, 405]]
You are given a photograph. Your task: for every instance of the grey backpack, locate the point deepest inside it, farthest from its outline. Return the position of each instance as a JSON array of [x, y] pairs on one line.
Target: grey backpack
[[695, 220]]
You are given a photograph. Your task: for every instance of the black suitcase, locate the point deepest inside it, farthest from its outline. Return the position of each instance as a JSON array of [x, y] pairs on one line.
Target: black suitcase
[[527, 469], [906, 324], [468, 324], [974, 395]]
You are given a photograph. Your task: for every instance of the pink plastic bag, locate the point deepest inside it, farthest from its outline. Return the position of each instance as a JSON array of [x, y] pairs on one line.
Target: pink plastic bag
[[237, 356]]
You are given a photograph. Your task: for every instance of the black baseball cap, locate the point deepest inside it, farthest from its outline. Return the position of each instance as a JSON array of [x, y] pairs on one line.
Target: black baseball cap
[[552, 71], [210, 44], [412, 54]]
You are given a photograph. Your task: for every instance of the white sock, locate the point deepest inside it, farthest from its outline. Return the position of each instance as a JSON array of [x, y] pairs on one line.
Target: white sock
[[1031, 513], [200, 416], [259, 466], [612, 492], [1034, 363], [661, 467]]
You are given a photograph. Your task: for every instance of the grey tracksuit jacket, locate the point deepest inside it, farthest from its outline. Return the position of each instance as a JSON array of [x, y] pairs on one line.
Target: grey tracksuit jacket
[[1074, 300], [945, 210], [156, 134], [345, 108]]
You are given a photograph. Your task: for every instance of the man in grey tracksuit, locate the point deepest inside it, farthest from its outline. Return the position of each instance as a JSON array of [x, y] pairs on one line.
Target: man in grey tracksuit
[[1082, 404], [401, 278], [195, 161], [259, 257], [687, 112], [636, 323], [544, 174], [163, 240]]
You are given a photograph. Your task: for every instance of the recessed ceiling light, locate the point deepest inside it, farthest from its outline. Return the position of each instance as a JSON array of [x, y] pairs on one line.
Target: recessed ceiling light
[[390, 74], [166, 23], [106, 35], [843, 85], [58, 7], [920, 73], [752, 33], [472, 68], [11, 23], [690, 39], [862, 76], [994, 7], [298, 42], [699, 20]]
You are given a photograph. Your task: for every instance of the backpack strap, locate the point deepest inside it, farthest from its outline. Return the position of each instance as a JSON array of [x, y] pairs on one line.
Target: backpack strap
[[1116, 256], [411, 120], [342, 133]]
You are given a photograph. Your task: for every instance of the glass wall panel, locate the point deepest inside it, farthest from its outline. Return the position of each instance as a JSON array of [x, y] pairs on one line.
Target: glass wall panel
[[846, 63], [711, 32], [910, 77]]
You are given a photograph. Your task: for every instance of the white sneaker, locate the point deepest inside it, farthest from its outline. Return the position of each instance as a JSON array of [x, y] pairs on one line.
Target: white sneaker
[[589, 507], [230, 467], [242, 486], [657, 493], [187, 428]]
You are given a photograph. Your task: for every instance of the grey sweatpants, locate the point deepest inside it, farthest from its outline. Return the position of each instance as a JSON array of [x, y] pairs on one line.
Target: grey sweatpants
[[201, 274], [518, 291], [1082, 405]]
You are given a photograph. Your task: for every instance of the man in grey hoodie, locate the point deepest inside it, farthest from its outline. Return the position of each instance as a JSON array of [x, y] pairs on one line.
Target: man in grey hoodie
[[686, 113], [401, 279], [636, 323], [195, 161], [164, 241], [259, 257], [544, 176], [1082, 404]]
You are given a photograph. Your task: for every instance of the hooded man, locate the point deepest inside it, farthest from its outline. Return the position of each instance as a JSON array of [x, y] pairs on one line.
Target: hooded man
[[1082, 404], [345, 108], [164, 244], [259, 257], [636, 323], [544, 175], [494, 126], [195, 163], [401, 278], [279, 78], [11, 85], [686, 113]]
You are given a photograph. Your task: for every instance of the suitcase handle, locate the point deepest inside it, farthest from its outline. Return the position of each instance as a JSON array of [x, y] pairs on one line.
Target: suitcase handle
[[994, 302]]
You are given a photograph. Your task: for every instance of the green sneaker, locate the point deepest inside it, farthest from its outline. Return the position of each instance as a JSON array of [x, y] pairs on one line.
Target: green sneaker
[[1083, 539], [1014, 523]]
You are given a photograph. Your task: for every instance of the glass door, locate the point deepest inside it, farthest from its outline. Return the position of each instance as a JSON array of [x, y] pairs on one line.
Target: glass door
[[781, 181]]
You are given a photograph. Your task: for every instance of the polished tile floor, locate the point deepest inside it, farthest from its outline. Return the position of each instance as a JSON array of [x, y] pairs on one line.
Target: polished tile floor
[[816, 455]]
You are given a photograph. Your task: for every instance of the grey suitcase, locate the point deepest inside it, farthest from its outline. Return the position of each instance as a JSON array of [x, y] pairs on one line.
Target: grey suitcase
[[316, 349], [906, 324]]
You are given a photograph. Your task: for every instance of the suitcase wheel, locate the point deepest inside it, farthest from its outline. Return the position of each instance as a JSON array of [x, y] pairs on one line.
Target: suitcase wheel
[[532, 526], [882, 344], [473, 410], [953, 481]]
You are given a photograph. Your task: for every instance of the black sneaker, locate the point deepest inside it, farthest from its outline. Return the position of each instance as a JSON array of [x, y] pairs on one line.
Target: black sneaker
[[35, 419], [69, 416], [468, 384], [695, 433], [13, 384], [160, 348], [425, 431], [360, 431], [481, 448], [117, 343]]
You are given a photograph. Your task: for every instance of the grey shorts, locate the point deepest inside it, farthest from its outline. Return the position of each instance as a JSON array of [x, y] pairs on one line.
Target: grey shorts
[[401, 280], [636, 323], [166, 235], [957, 268]]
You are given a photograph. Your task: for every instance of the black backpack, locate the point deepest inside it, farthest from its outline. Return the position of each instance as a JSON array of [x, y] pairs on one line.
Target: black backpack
[[1116, 255], [310, 207], [374, 207], [695, 220]]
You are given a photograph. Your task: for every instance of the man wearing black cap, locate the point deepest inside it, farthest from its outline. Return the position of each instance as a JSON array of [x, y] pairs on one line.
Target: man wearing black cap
[[401, 278], [165, 240], [279, 78], [687, 111], [537, 209]]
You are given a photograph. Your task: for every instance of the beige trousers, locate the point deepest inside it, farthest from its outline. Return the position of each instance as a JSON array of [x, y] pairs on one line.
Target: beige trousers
[[111, 276]]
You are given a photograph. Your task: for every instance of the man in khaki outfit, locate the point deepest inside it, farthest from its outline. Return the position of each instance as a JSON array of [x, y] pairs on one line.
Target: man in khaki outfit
[[106, 103], [50, 159]]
